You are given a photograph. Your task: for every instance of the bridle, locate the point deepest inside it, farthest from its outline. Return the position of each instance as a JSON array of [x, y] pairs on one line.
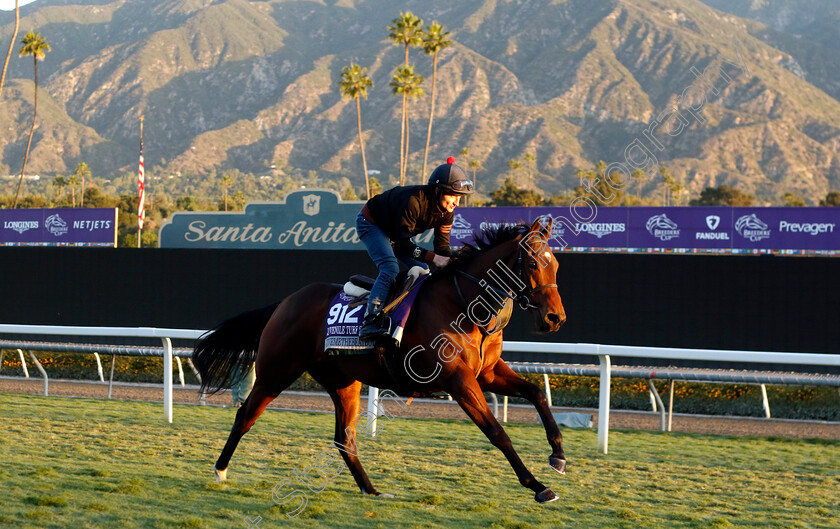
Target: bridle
[[522, 297]]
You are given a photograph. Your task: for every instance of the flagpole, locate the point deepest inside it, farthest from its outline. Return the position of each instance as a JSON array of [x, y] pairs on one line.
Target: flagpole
[[141, 188]]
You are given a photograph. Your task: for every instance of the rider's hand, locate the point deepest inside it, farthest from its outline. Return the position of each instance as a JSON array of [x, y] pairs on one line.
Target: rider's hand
[[440, 261]]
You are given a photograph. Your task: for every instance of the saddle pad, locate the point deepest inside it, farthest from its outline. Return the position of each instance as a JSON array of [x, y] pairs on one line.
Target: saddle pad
[[343, 323]]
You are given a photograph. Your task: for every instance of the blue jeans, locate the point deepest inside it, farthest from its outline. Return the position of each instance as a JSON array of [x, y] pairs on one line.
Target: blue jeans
[[380, 250]]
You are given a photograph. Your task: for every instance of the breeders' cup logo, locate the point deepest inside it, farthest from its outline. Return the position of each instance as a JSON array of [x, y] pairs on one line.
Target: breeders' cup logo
[[21, 226], [56, 225], [599, 229], [311, 204], [752, 228], [663, 228], [461, 229], [712, 221]]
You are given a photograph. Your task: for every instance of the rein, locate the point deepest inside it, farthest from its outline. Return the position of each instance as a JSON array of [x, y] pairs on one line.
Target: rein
[[522, 298]]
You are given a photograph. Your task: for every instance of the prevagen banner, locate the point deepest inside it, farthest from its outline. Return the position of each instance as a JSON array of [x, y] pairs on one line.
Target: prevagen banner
[[318, 219], [59, 227]]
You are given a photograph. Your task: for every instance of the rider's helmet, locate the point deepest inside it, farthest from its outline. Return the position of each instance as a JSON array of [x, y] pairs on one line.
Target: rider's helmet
[[451, 179]]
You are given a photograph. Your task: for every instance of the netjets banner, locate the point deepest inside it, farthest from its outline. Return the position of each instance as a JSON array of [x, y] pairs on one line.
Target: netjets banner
[[319, 220], [58, 227]]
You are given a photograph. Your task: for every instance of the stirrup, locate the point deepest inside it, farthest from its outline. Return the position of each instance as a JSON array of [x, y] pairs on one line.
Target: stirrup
[[377, 326]]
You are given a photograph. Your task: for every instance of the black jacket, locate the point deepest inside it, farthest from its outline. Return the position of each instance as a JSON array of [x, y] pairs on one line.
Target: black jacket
[[403, 212]]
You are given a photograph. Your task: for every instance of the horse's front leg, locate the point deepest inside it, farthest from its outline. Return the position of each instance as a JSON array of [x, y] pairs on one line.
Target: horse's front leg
[[465, 390], [503, 380]]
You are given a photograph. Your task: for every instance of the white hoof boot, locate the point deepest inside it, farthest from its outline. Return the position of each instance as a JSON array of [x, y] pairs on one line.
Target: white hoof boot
[[221, 475]]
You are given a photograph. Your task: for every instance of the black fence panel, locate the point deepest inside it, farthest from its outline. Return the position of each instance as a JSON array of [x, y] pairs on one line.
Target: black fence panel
[[719, 302]]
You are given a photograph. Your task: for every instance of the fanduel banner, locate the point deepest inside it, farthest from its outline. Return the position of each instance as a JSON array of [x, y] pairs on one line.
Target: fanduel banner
[[315, 220], [59, 227]]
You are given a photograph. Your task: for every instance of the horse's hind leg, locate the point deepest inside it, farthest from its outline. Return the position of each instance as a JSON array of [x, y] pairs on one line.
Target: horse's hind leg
[[260, 397], [347, 405], [504, 381]]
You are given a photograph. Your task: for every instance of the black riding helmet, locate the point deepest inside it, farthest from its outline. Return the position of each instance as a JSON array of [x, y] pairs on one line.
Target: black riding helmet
[[451, 179]]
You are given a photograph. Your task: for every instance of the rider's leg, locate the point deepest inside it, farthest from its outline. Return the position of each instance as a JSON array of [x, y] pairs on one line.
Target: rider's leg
[[379, 248]]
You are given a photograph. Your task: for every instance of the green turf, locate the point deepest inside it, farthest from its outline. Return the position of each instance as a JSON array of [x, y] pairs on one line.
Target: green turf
[[74, 463]]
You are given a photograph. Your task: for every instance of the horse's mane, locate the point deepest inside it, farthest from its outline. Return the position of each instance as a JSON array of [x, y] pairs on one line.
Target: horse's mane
[[485, 240]]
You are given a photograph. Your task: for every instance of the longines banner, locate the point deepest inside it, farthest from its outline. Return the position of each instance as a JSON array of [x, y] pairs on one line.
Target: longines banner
[[316, 220], [58, 227]]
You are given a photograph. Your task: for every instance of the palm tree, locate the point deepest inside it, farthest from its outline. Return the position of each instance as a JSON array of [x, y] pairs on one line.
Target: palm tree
[[475, 165], [82, 171], [514, 165], [227, 181], [59, 184], [407, 30], [530, 160], [465, 153], [407, 83], [11, 45], [434, 40], [639, 176], [72, 181], [36, 46], [354, 83]]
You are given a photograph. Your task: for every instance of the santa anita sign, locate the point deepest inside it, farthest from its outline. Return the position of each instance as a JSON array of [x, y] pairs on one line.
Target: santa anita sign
[[319, 220], [310, 220]]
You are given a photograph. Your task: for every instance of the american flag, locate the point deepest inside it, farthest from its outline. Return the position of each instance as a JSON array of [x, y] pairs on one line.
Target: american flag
[[141, 185]]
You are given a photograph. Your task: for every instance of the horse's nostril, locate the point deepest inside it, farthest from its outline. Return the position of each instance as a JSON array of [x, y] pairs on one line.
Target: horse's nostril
[[553, 318]]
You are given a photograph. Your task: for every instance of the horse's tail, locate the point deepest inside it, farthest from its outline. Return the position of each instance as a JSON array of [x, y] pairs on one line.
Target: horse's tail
[[231, 344]]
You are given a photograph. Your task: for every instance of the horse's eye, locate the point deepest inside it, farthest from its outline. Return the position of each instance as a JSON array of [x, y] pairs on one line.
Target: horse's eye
[[532, 264]]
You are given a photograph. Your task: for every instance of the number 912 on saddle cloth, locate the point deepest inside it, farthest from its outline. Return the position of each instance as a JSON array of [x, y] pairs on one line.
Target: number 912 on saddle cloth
[[344, 321]]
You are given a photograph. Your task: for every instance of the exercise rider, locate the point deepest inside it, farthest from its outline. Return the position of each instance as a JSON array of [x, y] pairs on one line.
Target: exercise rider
[[389, 220]]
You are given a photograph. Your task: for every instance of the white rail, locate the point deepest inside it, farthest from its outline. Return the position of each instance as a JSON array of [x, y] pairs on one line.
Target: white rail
[[165, 335], [603, 352]]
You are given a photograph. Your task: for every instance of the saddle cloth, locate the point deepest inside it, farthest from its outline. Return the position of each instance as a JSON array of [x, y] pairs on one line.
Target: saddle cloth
[[347, 310]]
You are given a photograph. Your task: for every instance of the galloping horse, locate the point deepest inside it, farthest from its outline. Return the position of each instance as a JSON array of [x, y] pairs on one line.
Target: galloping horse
[[449, 345]]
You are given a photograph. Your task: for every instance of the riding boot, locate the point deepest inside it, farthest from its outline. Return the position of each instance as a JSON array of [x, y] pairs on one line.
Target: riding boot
[[374, 324]]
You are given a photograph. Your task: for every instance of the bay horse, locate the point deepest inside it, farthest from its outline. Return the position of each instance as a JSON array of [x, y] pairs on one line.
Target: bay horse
[[449, 345]]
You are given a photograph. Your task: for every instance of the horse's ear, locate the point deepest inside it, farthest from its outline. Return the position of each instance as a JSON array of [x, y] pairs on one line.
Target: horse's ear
[[547, 228], [541, 226]]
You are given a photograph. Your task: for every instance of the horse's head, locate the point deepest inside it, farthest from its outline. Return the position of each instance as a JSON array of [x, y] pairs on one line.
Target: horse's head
[[537, 268]]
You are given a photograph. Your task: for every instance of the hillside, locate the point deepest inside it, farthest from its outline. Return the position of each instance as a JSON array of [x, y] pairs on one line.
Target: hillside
[[247, 85]]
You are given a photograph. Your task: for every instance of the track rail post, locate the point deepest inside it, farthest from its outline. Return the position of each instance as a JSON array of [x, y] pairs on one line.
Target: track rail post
[[167, 378], [604, 403]]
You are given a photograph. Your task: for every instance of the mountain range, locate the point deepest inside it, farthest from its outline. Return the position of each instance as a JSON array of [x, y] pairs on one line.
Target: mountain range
[[253, 85]]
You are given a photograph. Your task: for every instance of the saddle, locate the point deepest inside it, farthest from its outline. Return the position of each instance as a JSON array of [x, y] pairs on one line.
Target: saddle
[[346, 312], [359, 287]]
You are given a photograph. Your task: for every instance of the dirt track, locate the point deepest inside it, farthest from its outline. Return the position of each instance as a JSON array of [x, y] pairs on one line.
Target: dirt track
[[738, 426]]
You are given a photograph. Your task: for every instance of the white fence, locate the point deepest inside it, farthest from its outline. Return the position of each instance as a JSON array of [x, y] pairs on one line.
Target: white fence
[[603, 352]]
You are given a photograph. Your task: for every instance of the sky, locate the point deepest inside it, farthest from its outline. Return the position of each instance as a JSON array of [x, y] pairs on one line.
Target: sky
[[9, 5]]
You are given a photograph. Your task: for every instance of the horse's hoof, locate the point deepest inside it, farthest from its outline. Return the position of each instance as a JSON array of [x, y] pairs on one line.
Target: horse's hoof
[[557, 464], [221, 475], [384, 495], [546, 496]]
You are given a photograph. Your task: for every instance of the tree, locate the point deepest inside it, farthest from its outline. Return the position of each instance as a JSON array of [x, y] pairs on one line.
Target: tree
[[639, 176], [722, 195], [407, 83], [82, 171], [832, 199], [531, 163], [59, 184], [515, 165], [794, 201], [11, 46], [475, 165], [406, 31], [511, 195], [227, 181], [354, 83], [73, 181], [36, 46], [375, 187], [434, 40]]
